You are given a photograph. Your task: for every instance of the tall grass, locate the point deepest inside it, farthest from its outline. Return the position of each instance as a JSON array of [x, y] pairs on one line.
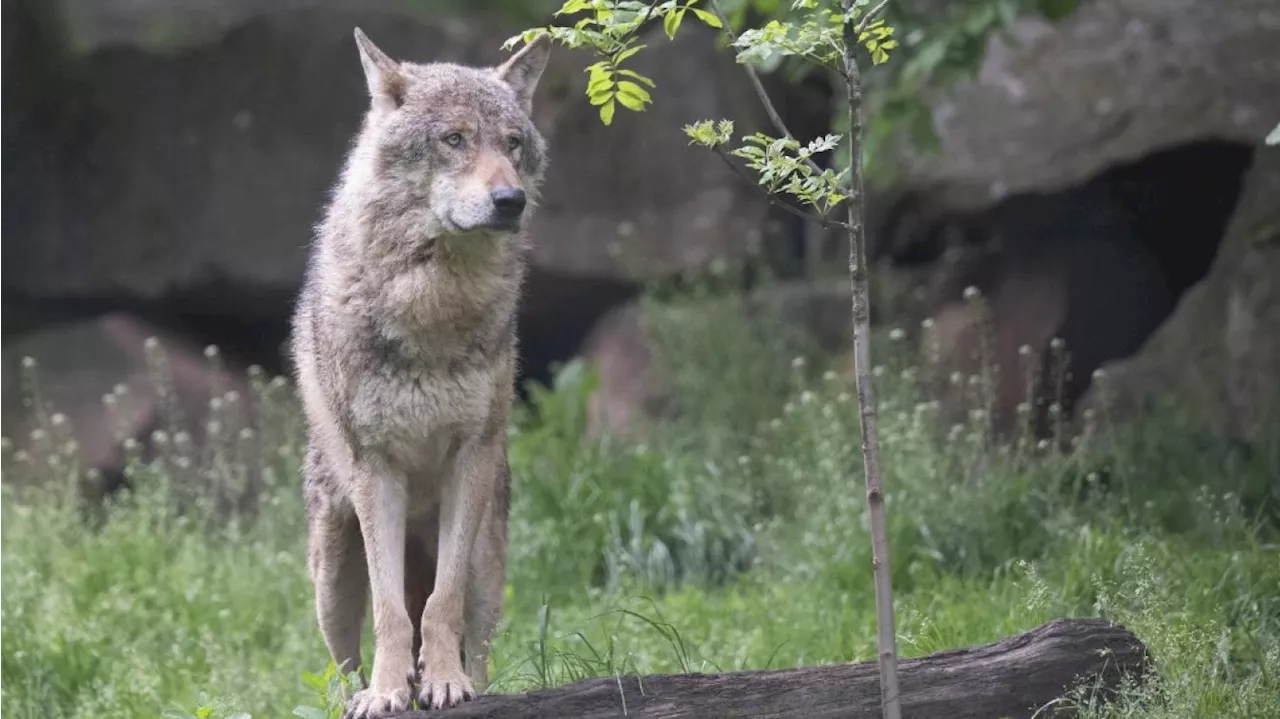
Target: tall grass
[[734, 536]]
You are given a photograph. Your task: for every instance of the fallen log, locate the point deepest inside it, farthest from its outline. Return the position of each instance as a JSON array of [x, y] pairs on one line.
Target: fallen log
[[1011, 678]]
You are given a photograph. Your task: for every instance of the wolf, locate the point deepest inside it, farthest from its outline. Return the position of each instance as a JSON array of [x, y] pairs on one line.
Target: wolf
[[403, 343]]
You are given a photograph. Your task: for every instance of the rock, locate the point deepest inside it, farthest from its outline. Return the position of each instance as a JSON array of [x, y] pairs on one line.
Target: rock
[[1113, 82], [1091, 264], [629, 393], [558, 313], [172, 158], [153, 176], [1219, 350], [657, 205], [984, 354], [632, 391], [172, 25], [105, 384], [190, 174], [1084, 181]]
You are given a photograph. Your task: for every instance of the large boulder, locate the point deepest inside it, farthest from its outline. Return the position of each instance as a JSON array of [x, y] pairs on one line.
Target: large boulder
[[200, 170], [634, 199], [188, 172], [1085, 182], [117, 379], [1116, 80], [623, 347], [173, 25], [1220, 350]]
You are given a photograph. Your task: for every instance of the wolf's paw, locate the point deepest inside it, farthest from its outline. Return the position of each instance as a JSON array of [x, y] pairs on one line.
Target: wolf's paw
[[444, 689], [372, 703]]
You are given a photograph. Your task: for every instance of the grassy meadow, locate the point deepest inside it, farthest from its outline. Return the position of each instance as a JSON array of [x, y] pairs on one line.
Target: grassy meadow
[[732, 536]]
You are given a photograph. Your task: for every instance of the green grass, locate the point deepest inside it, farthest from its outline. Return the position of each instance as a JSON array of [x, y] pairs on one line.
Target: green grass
[[733, 537]]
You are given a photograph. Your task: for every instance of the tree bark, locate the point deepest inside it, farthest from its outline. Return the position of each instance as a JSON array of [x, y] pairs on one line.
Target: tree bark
[[886, 628], [1010, 678]]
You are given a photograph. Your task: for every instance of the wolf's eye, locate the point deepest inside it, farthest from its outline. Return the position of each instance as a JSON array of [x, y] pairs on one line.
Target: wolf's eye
[[513, 143], [453, 139]]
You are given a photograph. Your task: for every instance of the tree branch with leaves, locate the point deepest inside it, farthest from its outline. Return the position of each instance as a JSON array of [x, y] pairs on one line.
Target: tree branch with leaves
[[825, 34]]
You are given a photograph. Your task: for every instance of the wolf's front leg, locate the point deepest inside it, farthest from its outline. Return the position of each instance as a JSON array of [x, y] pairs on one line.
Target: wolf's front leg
[[464, 499], [381, 505]]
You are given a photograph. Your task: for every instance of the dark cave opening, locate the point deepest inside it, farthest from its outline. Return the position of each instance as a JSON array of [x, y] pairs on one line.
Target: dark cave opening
[[1124, 246]]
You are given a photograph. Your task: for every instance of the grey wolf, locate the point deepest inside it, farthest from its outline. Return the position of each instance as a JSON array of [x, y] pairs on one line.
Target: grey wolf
[[404, 351]]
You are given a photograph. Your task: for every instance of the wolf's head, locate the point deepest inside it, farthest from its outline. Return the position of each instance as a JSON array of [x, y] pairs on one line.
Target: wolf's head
[[457, 140]]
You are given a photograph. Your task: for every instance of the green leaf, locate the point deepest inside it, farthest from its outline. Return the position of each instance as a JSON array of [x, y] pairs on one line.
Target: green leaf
[[631, 102], [606, 112], [315, 681], [600, 84], [627, 87], [707, 17], [625, 54], [597, 69], [699, 132], [636, 75], [309, 713], [573, 6], [671, 21]]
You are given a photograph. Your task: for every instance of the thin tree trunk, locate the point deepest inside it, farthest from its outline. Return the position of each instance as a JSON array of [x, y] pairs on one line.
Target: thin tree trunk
[[886, 638]]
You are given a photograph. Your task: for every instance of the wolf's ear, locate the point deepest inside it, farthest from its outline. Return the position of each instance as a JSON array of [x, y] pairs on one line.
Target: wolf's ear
[[385, 78], [522, 70]]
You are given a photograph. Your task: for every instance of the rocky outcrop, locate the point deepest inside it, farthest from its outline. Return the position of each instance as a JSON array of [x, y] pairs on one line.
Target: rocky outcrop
[[1097, 161], [634, 199], [1116, 80], [630, 393], [169, 159], [188, 173], [623, 348], [1220, 350], [116, 378]]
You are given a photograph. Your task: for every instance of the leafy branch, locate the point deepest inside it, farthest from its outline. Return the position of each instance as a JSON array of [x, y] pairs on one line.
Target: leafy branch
[[769, 109], [827, 36], [783, 164], [610, 28], [714, 136]]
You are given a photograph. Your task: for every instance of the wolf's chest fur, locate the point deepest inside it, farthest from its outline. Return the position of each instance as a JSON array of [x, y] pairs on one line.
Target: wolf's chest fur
[[435, 345], [409, 411]]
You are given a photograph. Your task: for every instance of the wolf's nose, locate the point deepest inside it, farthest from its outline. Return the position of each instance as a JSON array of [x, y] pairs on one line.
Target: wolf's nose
[[508, 202]]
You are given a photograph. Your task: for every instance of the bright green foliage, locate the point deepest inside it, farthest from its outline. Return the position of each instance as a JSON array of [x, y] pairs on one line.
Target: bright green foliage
[[942, 43], [784, 168], [710, 134], [609, 28], [816, 35], [330, 690], [783, 165]]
